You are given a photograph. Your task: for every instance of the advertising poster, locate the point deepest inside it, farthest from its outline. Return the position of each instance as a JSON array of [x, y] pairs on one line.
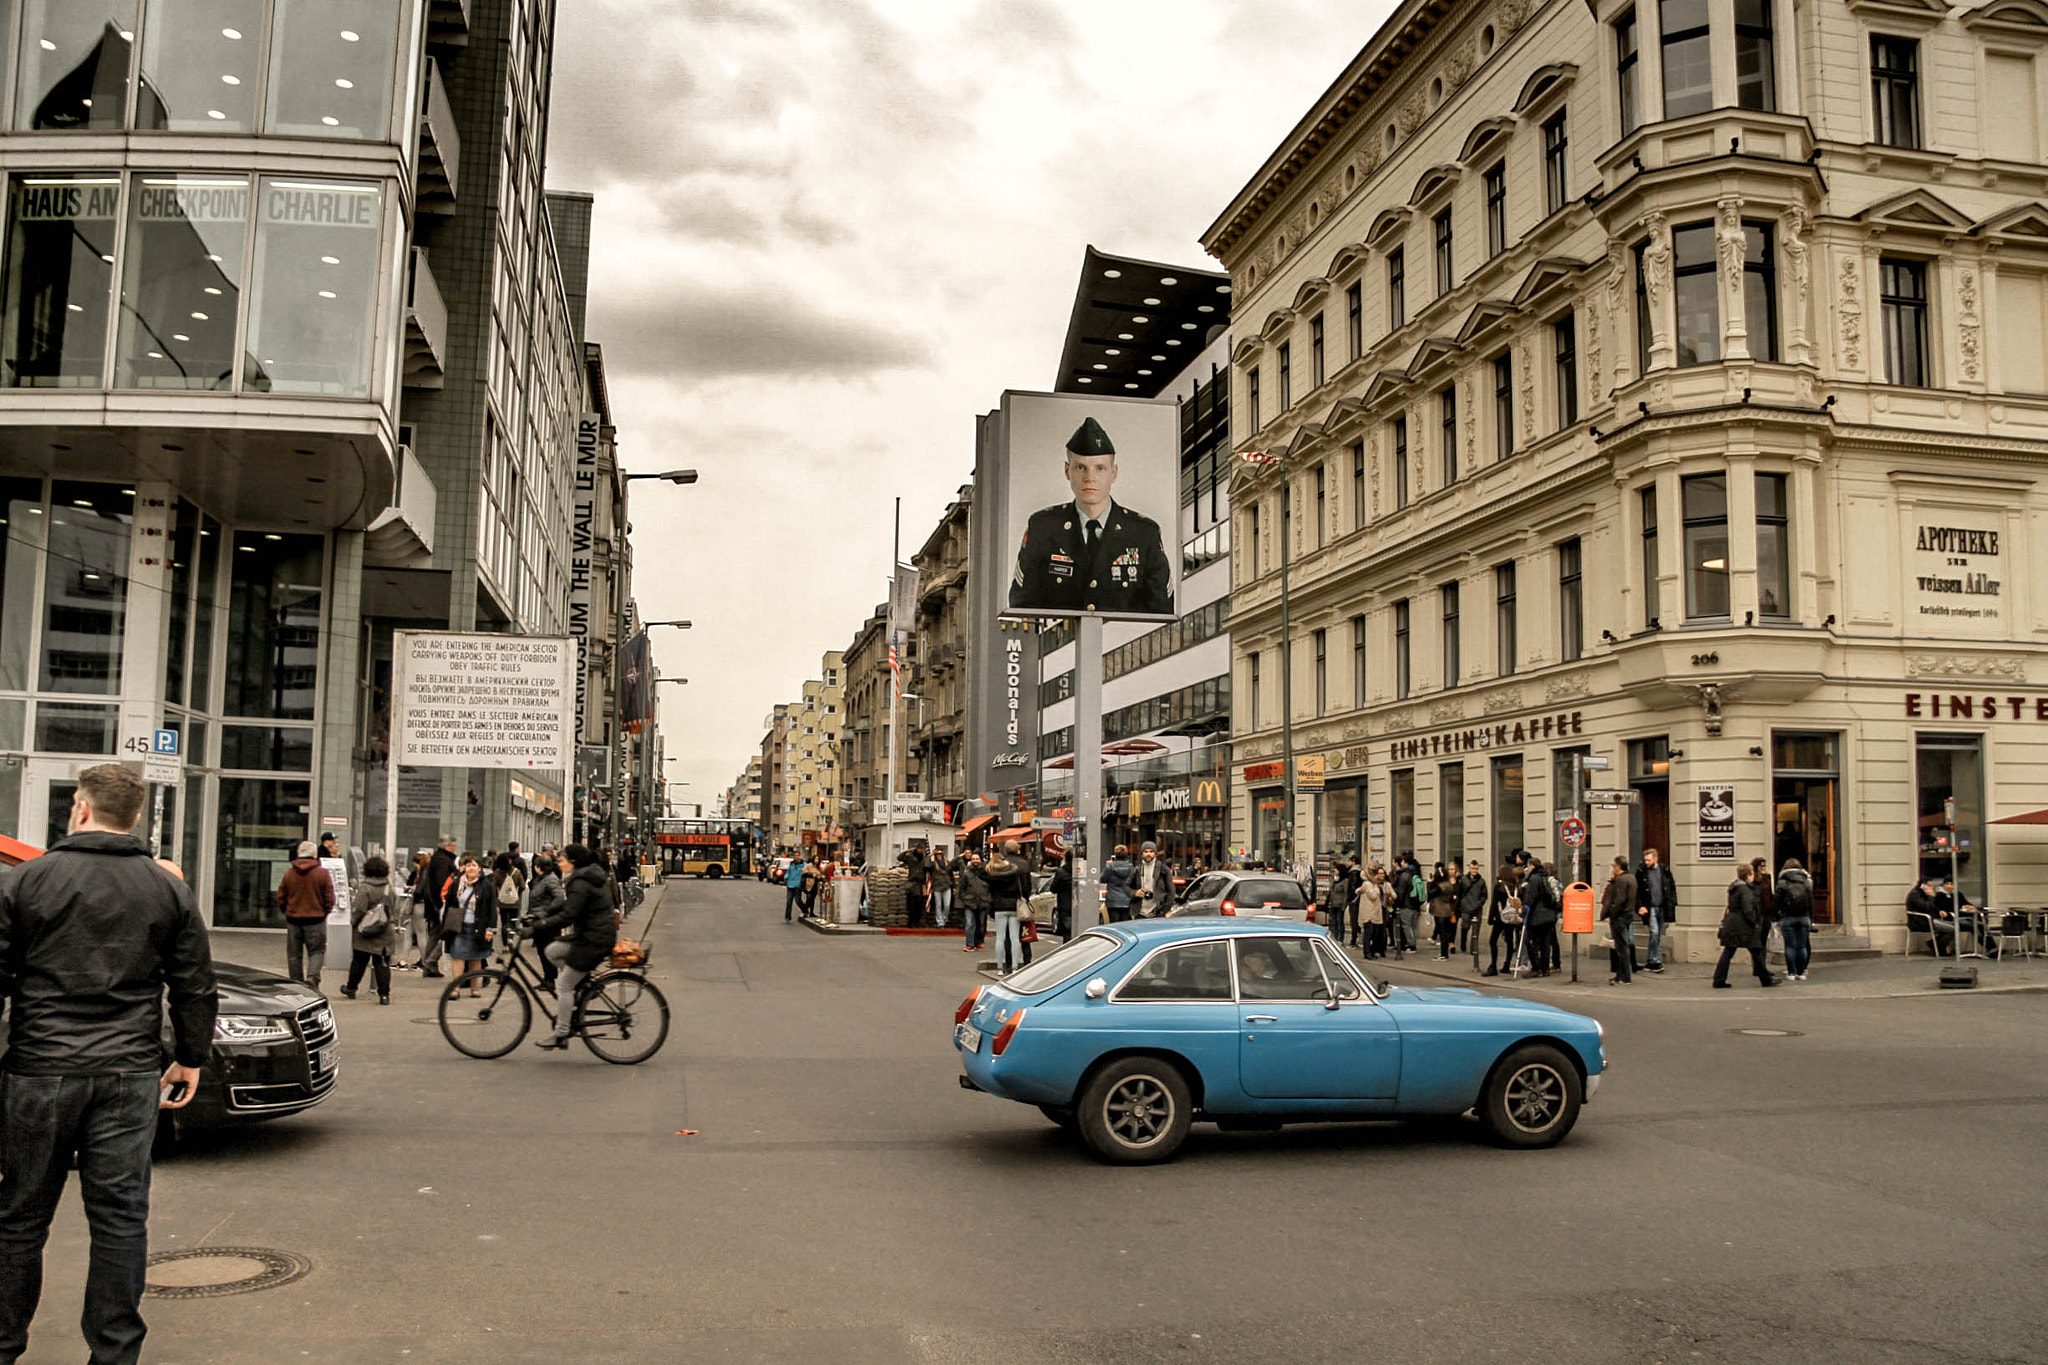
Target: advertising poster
[[1716, 821], [1090, 492]]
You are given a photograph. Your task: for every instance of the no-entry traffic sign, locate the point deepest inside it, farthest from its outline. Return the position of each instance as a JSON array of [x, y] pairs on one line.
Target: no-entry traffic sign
[[1573, 830]]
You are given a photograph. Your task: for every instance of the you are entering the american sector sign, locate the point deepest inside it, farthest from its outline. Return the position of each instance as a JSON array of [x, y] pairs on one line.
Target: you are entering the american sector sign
[[482, 701]]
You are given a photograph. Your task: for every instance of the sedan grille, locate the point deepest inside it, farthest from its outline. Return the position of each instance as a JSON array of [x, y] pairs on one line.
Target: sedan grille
[[316, 1024]]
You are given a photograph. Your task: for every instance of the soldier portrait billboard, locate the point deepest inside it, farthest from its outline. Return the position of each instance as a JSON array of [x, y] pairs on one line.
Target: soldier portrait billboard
[[1090, 491]]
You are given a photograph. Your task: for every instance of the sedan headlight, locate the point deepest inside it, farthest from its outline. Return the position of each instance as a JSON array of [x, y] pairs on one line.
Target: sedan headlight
[[250, 1028]]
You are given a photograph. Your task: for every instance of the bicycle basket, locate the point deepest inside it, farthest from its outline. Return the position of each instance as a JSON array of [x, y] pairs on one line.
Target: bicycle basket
[[627, 953]]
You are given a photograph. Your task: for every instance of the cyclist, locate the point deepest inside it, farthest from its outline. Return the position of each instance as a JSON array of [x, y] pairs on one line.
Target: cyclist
[[590, 928]]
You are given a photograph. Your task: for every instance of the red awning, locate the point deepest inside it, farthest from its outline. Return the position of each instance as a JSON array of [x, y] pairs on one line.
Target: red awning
[[1017, 832], [976, 823], [2032, 817]]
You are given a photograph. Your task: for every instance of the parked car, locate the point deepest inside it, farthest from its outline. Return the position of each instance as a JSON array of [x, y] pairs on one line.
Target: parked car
[[1268, 895], [1138, 1029], [274, 1053]]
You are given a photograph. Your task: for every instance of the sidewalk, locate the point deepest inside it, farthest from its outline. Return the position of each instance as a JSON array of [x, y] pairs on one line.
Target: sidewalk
[[1885, 978]]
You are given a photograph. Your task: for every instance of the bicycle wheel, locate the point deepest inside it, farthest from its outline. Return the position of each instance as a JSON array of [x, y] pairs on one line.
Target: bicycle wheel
[[622, 1016], [490, 1025]]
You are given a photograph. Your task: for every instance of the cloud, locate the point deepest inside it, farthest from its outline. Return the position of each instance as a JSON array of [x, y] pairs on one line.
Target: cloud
[[714, 333]]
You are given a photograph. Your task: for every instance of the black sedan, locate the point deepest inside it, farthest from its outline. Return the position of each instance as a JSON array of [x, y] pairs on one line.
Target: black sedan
[[274, 1053]]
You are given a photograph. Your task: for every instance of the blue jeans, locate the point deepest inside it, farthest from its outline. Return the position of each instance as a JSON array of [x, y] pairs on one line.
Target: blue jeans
[[1656, 937], [1009, 941], [1798, 936], [110, 1122], [942, 902]]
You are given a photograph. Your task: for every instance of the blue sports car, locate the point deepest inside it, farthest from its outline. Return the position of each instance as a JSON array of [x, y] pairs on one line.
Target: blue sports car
[[1134, 1030]]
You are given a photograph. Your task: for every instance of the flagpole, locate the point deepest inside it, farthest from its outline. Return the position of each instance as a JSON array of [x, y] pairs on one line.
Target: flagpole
[[895, 684]]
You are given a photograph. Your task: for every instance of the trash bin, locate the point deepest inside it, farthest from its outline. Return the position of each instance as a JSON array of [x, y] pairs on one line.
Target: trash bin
[[846, 895]]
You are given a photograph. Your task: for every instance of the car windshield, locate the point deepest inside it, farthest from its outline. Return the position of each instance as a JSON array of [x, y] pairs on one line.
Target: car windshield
[[1057, 968]]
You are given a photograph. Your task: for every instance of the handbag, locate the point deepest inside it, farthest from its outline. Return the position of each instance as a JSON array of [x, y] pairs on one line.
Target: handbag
[[1027, 931], [375, 923]]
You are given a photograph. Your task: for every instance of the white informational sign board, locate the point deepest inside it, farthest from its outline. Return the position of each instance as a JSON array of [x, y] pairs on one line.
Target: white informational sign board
[[337, 872], [482, 701]]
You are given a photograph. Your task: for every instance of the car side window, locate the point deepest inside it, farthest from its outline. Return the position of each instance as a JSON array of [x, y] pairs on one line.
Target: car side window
[[1192, 971], [1340, 979], [1278, 969], [1203, 889]]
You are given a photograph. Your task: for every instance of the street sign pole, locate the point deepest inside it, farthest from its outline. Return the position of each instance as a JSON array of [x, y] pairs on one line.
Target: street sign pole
[[1087, 771]]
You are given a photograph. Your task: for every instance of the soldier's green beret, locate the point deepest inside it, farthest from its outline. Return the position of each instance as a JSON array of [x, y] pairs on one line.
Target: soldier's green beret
[[1090, 439]]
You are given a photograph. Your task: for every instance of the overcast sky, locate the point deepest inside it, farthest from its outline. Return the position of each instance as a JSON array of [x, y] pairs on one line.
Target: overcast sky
[[831, 232]]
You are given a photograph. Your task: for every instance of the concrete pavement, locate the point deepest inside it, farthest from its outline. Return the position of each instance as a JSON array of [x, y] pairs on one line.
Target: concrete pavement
[[1730, 1197]]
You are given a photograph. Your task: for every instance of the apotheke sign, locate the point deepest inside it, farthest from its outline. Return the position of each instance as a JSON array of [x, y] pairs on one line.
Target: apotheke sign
[[1956, 572]]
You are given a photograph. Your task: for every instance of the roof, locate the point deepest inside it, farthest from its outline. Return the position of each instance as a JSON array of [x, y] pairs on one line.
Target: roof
[[1209, 926], [1137, 324]]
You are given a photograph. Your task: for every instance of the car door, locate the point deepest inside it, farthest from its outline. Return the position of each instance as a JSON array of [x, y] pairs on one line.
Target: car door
[[1291, 1045]]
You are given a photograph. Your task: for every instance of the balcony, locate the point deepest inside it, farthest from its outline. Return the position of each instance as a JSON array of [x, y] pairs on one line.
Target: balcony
[[426, 327], [440, 145], [448, 23], [402, 536]]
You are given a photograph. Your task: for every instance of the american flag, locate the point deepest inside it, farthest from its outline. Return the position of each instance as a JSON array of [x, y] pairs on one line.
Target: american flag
[[895, 664]]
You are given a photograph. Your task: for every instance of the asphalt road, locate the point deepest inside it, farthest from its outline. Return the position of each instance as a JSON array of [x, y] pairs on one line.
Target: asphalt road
[[1871, 1190]]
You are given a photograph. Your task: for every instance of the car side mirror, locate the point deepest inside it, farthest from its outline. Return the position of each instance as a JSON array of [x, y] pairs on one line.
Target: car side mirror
[[1097, 988], [1331, 1003]]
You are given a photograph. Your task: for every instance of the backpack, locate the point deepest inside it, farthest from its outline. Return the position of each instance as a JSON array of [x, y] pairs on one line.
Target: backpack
[[508, 892]]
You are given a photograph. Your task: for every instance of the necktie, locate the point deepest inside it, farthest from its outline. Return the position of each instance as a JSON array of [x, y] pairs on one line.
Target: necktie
[[1094, 532]]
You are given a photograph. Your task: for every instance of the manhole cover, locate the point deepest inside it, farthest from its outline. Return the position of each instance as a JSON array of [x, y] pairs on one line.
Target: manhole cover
[[210, 1272], [1767, 1033]]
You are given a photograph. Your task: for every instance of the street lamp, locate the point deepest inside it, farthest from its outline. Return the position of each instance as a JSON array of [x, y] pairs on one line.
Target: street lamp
[[618, 736], [1275, 457], [650, 625], [674, 476]]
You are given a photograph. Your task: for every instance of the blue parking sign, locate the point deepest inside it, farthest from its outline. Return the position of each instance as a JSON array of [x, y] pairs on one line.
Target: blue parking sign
[[166, 743]]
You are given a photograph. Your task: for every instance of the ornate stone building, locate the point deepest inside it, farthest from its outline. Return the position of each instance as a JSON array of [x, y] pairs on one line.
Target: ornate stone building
[[1624, 380]]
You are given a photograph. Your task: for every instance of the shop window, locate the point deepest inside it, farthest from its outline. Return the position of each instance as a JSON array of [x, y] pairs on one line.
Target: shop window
[[1652, 586], [1695, 293], [1337, 822], [1496, 187], [1705, 510], [1556, 163], [1397, 290], [1571, 600], [1688, 58], [85, 587], [1564, 342], [73, 67], [23, 534], [267, 748], [200, 66], [1315, 351], [1895, 90], [1773, 548], [331, 68], [1453, 662], [1504, 648], [273, 633], [1507, 806], [1440, 236], [1450, 814], [1756, 85], [1400, 463], [260, 820], [1564, 792], [1503, 406], [1948, 766], [60, 273], [1902, 287], [312, 318], [1354, 318], [1628, 74], [181, 280], [1401, 654], [1403, 788], [1447, 406]]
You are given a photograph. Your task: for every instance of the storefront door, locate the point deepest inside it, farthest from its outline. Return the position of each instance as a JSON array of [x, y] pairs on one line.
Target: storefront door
[[46, 790], [1804, 792]]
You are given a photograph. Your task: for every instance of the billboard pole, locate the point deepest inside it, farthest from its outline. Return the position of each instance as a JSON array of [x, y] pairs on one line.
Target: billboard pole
[[1087, 770], [393, 719]]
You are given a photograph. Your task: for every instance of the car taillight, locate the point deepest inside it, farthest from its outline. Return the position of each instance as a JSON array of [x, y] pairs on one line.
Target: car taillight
[[1227, 908], [966, 1006], [1005, 1033]]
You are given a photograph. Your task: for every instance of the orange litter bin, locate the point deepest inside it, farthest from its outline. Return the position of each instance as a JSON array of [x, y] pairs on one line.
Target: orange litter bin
[[1578, 909]]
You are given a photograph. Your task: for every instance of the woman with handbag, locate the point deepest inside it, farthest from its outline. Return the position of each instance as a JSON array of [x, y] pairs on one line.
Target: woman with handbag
[[1372, 913], [469, 914], [1504, 918], [1009, 885], [371, 932], [1443, 909]]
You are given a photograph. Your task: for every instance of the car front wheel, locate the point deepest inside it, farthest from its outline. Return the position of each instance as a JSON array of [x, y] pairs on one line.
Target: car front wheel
[[1135, 1110], [1532, 1098]]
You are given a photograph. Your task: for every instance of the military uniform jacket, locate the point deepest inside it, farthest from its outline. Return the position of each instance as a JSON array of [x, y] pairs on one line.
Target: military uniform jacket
[[1125, 571]]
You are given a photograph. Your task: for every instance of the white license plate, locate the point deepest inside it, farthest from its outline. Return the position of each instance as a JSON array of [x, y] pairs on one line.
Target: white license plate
[[322, 1058], [967, 1037]]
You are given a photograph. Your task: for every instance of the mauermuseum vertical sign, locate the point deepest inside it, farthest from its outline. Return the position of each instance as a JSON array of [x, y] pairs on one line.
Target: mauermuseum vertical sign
[[583, 487], [482, 701]]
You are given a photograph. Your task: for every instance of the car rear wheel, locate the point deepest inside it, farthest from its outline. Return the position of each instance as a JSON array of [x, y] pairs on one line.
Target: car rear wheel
[[1135, 1110], [1532, 1098]]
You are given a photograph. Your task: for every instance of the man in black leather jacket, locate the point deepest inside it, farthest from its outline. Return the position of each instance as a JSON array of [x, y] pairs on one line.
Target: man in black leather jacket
[[93, 935]]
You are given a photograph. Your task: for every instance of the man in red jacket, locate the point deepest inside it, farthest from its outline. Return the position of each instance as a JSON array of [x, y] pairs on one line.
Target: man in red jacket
[[305, 895]]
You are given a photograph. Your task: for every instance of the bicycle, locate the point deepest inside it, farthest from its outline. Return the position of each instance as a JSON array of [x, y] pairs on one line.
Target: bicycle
[[621, 1016]]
